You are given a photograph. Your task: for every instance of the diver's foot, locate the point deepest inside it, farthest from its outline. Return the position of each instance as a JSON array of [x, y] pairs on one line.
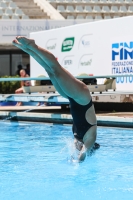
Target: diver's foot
[[19, 45], [24, 46], [27, 43]]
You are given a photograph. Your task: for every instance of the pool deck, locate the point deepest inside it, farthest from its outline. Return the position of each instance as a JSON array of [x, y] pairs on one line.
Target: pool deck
[[54, 114]]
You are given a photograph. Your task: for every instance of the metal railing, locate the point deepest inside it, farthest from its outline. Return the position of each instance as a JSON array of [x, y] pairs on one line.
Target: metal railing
[[78, 77]]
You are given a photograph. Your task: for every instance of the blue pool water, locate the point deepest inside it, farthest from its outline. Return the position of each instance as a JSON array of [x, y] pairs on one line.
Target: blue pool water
[[34, 164]]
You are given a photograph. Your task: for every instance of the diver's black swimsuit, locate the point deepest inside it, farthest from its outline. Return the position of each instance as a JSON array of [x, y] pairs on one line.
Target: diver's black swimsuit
[[80, 124]]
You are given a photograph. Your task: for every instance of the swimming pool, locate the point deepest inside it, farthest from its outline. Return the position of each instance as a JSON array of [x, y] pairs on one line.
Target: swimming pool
[[34, 164]]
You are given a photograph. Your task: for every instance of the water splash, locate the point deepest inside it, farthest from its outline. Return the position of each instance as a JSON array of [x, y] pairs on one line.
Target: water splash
[[70, 150]]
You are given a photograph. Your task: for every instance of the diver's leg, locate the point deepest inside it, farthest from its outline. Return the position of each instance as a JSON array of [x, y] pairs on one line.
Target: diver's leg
[[70, 85], [42, 63]]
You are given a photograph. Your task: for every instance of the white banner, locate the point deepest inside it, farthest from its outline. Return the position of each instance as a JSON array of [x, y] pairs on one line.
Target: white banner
[[100, 48], [12, 28]]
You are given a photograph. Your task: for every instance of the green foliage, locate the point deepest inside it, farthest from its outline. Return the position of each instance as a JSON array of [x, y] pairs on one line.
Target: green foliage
[[9, 87]]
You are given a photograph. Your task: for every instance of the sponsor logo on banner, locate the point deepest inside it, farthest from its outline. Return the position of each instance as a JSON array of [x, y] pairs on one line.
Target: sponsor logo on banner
[[51, 44], [122, 60], [84, 63], [51, 47], [86, 43], [68, 62], [67, 44]]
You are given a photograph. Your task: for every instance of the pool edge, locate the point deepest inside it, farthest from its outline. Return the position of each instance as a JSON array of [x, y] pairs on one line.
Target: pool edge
[[113, 121]]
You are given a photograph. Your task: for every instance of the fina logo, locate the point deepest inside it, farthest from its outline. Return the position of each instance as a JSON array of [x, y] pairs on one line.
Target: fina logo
[[122, 51], [122, 60]]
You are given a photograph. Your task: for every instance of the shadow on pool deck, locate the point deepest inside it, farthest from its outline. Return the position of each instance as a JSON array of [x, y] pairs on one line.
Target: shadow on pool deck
[[54, 114]]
